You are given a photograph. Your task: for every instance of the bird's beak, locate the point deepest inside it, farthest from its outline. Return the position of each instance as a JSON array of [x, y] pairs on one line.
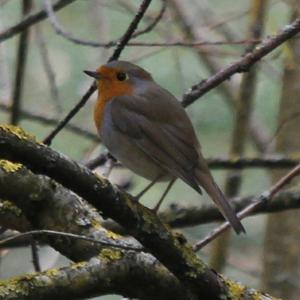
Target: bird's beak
[[93, 74]]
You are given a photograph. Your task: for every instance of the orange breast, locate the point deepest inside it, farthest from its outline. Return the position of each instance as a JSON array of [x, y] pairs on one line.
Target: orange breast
[[107, 91]]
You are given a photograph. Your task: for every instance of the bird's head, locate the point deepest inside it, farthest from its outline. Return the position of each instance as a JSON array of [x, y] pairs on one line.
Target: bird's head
[[119, 77]]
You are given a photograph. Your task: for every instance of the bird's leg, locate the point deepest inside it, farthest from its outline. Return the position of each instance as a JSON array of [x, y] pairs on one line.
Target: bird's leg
[[148, 187], [156, 208]]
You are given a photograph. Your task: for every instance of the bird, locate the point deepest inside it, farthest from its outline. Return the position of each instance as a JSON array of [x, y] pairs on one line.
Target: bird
[[146, 128]]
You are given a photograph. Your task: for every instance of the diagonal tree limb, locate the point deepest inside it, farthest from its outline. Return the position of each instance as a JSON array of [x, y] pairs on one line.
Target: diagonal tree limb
[[265, 196], [138, 220], [243, 64], [47, 204], [111, 272], [260, 137], [169, 248]]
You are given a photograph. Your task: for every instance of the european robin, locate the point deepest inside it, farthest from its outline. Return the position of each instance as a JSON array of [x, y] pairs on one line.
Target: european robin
[[147, 130]]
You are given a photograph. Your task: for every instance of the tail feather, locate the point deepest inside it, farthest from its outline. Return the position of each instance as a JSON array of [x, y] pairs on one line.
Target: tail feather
[[206, 181]]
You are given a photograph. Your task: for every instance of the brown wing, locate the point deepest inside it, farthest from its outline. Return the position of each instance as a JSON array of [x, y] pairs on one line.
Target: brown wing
[[160, 127]]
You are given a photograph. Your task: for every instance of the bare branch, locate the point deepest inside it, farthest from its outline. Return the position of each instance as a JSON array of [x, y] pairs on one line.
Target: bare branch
[[20, 67], [35, 255], [270, 162], [71, 114], [44, 232], [59, 29], [48, 205], [260, 137], [265, 196], [180, 216], [130, 31], [31, 20], [155, 21], [243, 64], [45, 119]]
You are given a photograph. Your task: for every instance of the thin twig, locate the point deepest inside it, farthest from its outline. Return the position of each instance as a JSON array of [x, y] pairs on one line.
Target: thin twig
[[242, 65], [60, 30], [121, 45], [45, 119], [44, 232], [70, 115], [265, 196], [20, 68], [130, 31], [269, 162], [31, 20], [154, 22], [35, 255], [5, 82], [183, 216], [235, 163]]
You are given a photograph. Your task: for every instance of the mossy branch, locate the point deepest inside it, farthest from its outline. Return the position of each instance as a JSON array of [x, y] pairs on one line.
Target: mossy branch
[[171, 249], [129, 274], [48, 205]]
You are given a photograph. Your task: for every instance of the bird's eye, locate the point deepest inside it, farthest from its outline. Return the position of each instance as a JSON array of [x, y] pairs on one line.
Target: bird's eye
[[121, 76]]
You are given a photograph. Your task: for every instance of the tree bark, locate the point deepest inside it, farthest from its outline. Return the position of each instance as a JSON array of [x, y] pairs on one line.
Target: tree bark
[[170, 248]]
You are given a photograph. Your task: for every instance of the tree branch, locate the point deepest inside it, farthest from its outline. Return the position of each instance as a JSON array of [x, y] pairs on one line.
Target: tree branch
[[47, 204], [274, 161], [179, 216], [60, 30], [264, 197], [171, 249], [20, 67], [243, 64], [48, 120], [31, 20], [12, 217], [99, 276]]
